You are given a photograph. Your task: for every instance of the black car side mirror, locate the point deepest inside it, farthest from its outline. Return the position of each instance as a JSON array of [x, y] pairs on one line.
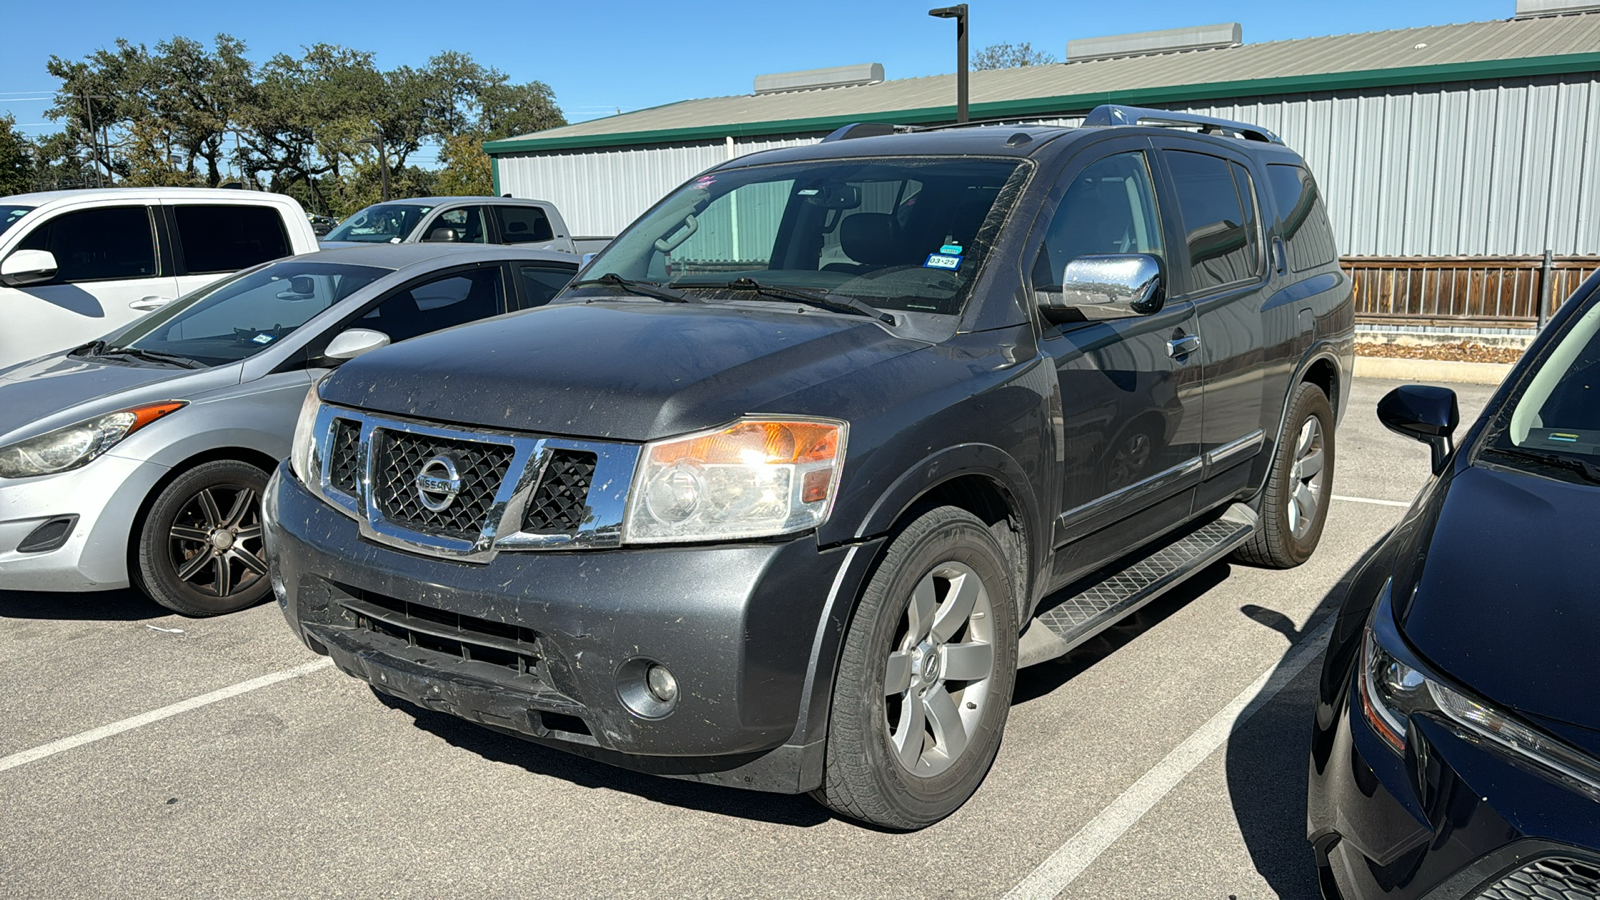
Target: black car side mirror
[[1423, 413]]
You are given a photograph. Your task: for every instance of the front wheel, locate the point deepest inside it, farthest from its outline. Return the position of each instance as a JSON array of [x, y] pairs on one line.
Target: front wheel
[[200, 550], [1294, 506], [925, 678]]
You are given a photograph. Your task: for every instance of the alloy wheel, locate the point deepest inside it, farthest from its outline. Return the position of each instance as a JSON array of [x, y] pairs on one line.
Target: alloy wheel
[[215, 542], [1305, 478]]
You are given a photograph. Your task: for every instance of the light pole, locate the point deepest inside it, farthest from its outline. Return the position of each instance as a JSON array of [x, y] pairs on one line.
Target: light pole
[[959, 13]]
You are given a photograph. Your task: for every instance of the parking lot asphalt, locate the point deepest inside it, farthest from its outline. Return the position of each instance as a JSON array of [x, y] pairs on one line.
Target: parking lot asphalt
[[144, 755]]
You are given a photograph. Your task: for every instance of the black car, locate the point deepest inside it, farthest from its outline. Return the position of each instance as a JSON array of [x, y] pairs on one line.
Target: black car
[[827, 445], [1457, 743]]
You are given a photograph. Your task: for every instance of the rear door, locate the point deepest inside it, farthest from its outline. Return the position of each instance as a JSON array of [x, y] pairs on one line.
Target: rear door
[[1130, 402], [528, 226], [1225, 278], [213, 240], [109, 272]]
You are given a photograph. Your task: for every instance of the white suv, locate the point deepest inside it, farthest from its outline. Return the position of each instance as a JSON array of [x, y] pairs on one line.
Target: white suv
[[75, 265]]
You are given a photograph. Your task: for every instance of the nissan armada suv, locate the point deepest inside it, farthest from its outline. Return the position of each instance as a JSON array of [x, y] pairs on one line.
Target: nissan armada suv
[[785, 488]]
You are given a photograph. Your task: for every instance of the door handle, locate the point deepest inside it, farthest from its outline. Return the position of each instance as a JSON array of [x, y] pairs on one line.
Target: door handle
[[1183, 346], [144, 304]]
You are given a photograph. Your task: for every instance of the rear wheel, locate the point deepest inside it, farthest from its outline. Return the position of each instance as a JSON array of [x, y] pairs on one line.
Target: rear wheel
[[1299, 487], [200, 550], [925, 678]]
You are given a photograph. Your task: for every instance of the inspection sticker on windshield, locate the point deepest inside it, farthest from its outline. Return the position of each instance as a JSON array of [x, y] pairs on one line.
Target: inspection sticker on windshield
[[947, 262], [261, 339], [953, 249]]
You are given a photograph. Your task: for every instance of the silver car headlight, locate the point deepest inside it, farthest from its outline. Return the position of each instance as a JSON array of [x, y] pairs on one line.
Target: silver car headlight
[[78, 444], [302, 448], [755, 478]]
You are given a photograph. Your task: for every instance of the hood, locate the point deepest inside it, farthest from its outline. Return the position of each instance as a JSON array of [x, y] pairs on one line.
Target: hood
[[1504, 597], [621, 370], [37, 390]]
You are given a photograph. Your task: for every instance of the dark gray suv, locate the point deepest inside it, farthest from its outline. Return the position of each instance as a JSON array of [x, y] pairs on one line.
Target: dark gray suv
[[782, 492]]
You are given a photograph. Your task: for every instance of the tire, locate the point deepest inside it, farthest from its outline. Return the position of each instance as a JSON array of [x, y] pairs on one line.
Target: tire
[[893, 759], [1294, 505], [199, 550]]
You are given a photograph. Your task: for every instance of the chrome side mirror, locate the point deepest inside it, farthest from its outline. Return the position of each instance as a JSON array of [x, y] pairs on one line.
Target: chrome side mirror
[[1106, 287], [1423, 413], [353, 342], [28, 267]]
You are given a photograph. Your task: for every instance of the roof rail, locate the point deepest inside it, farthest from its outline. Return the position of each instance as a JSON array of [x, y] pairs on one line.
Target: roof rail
[[1111, 114], [861, 130]]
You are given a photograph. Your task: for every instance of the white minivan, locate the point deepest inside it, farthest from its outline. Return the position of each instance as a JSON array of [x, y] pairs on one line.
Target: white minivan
[[75, 265]]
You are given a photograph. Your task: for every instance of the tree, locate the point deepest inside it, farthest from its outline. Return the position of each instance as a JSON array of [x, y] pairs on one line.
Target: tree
[[1010, 56], [467, 169], [16, 159]]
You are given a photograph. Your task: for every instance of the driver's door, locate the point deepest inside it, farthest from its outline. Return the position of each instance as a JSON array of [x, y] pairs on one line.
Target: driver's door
[[1129, 389]]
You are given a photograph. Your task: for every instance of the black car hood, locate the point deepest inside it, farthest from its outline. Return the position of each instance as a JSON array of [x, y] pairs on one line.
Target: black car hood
[[624, 370], [1505, 597]]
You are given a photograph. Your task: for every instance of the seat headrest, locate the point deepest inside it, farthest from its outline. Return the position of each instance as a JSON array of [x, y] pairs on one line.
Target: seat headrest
[[872, 238]]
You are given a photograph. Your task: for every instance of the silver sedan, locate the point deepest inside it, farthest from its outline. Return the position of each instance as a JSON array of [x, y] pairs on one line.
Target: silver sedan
[[140, 458]]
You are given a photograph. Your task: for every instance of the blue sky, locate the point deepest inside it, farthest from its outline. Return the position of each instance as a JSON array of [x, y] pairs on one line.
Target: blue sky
[[601, 57]]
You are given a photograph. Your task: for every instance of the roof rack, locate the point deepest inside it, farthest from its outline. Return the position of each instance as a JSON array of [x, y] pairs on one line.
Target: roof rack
[[1112, 114]]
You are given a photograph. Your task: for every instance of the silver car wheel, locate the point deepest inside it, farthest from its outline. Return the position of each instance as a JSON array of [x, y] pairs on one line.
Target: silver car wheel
[[1305, 478]]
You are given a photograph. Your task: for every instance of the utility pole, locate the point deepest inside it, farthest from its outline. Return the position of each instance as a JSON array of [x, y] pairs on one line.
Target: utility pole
[[383, 167], [94, 138], [959, 13]]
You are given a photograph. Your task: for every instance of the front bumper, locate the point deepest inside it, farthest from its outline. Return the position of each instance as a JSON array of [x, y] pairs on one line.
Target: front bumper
[[546, 644], [104, 496], [1453, 818]]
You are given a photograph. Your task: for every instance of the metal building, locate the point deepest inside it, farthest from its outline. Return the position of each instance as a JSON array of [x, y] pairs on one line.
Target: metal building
[[1454, 158]]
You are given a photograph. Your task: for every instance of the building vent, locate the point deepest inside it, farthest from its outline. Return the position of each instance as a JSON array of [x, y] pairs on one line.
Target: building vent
[[1533, 9], [1149, 43], [813, 79]]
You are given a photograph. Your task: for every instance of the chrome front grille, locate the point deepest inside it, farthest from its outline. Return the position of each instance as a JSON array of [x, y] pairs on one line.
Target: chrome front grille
[[558, 506], [400, 458], [512, 491]]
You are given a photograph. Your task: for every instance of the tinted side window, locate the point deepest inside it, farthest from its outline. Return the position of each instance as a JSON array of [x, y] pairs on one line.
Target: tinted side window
[[1303, 219], [464, 225], [453, 299], [541, 283], [229, 238], [1222, 239], [98, 244], [1110, 208], [523, 225]]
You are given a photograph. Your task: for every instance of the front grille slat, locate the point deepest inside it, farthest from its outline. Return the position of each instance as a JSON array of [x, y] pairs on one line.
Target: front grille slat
[[558, 505], [401, 456], [344, 456], [467, 638]]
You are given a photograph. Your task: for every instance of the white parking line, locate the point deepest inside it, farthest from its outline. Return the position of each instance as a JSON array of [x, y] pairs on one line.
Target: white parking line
[[1071, 858], [1402, 503], [156, 715]]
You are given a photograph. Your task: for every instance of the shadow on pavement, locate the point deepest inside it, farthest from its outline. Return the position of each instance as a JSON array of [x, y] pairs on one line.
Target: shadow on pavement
[[126, 605], [1269, 756], [778, 809]]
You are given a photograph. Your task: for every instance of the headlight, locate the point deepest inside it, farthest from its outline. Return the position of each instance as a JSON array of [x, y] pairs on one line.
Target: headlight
[[75, 445], [303, 447], [1393, 690], [756, 478]]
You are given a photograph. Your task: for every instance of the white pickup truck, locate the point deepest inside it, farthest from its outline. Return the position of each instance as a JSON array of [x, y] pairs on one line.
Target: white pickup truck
[[75, 265], [535, 224]]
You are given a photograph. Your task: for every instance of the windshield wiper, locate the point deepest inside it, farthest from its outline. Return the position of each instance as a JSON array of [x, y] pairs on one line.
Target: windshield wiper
[[841, 303], [93, 348], [155, 356], [1583, 467], [644, 288]]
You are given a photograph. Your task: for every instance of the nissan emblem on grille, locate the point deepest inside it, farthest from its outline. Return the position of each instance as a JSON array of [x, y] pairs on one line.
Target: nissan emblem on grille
[[438, 483]]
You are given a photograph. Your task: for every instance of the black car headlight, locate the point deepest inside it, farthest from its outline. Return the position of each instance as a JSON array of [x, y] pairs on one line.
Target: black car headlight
[[78, 444], [1394, 688]]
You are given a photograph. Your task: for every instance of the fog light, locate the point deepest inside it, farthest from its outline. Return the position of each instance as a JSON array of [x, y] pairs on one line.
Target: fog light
[[663, 686]]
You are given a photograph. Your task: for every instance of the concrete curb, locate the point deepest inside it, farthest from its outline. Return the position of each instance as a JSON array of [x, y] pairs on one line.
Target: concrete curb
[[1428, 371]]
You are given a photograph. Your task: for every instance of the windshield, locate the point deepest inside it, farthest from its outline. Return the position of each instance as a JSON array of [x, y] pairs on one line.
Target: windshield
[[244, 315], [904, 234], [1557, 413], [10, 214], [382, 224]]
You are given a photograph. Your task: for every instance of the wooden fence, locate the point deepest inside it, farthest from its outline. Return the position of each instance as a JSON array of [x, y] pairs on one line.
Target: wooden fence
[[1502, 292]]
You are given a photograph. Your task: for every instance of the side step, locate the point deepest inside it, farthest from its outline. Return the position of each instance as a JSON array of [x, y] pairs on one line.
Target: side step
[[1095, 603]]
